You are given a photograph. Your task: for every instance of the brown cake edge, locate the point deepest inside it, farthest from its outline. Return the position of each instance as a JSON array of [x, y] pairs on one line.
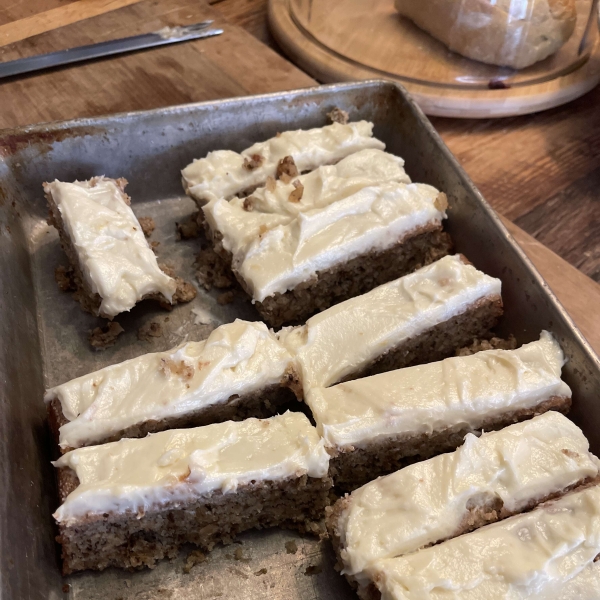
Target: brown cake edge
[[417, 248], [350, 469], [134, 541]]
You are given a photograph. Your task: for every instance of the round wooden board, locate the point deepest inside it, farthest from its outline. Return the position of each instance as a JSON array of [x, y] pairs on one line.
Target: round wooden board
[[341, 64]]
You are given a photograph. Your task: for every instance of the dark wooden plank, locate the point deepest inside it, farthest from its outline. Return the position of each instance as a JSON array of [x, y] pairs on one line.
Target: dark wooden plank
[[569, 224]]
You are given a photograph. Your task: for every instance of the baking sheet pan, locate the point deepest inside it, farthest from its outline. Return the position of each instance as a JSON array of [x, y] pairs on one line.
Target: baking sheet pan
[[44, 333]]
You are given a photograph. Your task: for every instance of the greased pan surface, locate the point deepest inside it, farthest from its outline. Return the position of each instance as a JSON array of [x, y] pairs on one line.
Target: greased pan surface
[[43, 332]]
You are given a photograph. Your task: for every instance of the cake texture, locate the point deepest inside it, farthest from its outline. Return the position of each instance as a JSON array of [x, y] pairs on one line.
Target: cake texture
[[302, 245], [114, 266], [547, 554], [421, 317], [130, 503], [487, 479], [225, 173], [239, 371], [377, 424]]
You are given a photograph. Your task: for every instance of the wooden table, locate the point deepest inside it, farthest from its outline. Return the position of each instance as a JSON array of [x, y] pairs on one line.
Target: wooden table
[[542, 171]]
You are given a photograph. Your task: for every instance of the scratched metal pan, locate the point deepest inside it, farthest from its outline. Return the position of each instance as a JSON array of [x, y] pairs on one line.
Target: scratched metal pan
[[43, 332]]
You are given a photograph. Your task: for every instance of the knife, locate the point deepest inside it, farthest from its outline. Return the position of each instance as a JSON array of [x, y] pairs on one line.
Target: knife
[[162, 37]]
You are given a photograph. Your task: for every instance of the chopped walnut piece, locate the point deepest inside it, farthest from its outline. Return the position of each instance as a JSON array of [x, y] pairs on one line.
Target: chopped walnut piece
[[270, 184], [570, 453], [248, 203], [65, 278], [286, 169], [226, 297], [149, 330], [296, 195], [180, 368], [441, 201], [253, 162], [260, 572], [337, 115], [495, 343], [147, 224], [104, 337]]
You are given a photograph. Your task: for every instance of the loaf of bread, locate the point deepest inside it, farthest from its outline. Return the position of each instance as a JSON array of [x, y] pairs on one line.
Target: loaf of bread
[[498, 32]]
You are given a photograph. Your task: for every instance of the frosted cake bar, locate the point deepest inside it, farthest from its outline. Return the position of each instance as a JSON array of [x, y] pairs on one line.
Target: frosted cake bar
[[239, 371], [133, 502], [487, 479], [375, 424], [114, 265], [225, 173], [547, 554], [421, 317], [300, 246]]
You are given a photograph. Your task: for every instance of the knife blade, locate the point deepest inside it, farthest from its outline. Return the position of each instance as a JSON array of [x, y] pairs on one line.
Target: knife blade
[[162, 37]]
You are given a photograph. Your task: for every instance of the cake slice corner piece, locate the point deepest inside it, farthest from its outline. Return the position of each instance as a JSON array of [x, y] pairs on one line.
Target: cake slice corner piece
[[200, 486], [114, 266], [487, 479]]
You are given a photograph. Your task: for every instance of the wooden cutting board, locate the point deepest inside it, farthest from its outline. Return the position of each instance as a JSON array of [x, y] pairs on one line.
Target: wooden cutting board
[[233, 64], [354, 39]]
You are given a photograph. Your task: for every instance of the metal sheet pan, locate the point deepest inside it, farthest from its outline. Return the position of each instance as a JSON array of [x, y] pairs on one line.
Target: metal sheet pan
[[44, 332]]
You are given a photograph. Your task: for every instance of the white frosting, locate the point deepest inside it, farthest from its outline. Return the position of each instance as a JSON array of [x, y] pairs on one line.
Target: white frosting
[[237, 358], [540, 554], [322, 187], [222, 174], [176, 466], [427, 501], [113, 253], [435, 396], [348, 336]]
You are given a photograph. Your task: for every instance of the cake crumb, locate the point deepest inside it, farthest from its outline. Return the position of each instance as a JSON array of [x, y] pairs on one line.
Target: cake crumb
[[238, 554], [190, 228], [154, 245], [66, 588], [286, 169], [185, 291], [495, 343], [194, 558], [260, 572], [441, 201], [147, 331], [212, 270], [147, 224], [291, 547], [253, 162], [337, 115], [296, 195], [262, 230], [313, 570], [65, 278], [226, 297], [104, 337]]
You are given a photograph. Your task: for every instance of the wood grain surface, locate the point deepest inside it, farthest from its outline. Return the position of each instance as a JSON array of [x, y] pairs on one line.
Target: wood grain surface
[[540, 171]]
